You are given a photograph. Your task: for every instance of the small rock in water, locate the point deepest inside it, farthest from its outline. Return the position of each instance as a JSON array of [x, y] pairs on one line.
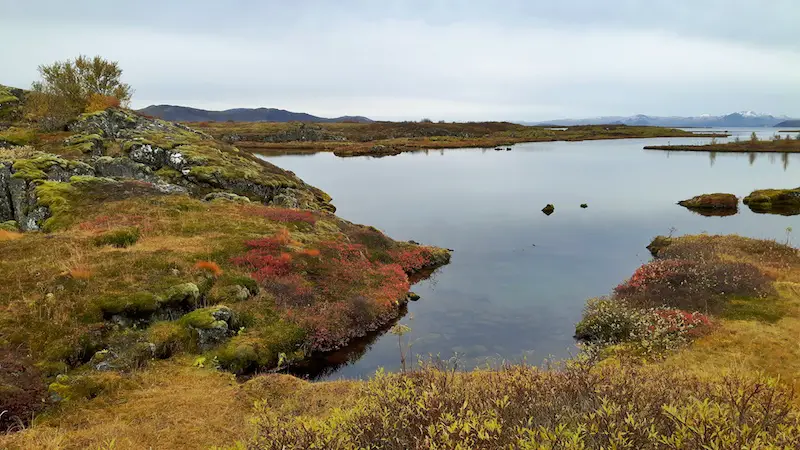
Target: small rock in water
[[508, 149], [412, 296], [498, 149], [584, 205], [549, 209]]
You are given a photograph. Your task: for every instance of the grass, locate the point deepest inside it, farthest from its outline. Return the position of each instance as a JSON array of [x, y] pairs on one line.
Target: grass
[[389, 138], [774, 201], [749, 146]]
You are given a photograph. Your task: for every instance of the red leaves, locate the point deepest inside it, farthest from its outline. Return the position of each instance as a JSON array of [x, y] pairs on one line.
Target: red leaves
[[334, 291], [411, 259]]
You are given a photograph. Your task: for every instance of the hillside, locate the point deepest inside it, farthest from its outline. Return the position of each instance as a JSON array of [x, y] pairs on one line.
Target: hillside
[[131, 243], [789, 123], [186, 114]]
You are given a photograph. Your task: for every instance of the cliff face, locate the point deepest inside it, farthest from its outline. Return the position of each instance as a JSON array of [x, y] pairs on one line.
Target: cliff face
[[122, 145]]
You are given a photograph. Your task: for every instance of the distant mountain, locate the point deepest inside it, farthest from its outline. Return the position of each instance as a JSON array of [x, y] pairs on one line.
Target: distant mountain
[[789, 123], [186, 114], [738, 119]]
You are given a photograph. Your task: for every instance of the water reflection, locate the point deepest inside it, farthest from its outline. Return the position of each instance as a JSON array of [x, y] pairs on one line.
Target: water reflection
[[519, 280]]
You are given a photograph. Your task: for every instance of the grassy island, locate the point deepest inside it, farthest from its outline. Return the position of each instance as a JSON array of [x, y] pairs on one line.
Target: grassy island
[[784, 145], [391, 138]]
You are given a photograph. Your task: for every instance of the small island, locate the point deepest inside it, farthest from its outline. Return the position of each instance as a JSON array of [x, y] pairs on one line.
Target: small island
[[779, 144], [785, 202], [717, 204]]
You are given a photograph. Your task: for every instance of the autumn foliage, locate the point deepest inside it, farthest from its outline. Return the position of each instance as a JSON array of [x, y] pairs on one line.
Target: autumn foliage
[[210, 267], [334, 290], [99, 102]]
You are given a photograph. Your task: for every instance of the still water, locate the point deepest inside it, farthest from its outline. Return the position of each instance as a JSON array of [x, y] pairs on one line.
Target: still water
[[519, 279]]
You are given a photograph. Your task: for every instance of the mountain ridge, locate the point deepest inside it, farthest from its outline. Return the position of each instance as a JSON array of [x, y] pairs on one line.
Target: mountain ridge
[[175, 113], [736, 119]]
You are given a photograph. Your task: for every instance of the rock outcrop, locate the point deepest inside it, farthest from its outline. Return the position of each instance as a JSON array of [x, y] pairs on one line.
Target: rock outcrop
[[120, 145]]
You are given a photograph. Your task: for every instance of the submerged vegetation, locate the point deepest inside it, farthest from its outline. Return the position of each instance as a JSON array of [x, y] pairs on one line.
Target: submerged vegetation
[[391, 138]]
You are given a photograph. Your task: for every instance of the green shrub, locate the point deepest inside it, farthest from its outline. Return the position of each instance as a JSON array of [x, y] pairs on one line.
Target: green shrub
[[120, 238]]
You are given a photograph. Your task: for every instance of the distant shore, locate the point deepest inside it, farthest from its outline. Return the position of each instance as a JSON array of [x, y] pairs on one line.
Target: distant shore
[[392, 138]]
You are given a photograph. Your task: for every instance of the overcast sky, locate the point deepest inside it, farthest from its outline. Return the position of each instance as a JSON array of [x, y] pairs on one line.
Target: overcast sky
[[441, 59]]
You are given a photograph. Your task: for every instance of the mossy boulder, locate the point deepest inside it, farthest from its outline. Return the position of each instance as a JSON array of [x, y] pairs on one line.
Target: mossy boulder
[[9, 225], [548, 209], [209, 326], [774, 201], [711, 201]]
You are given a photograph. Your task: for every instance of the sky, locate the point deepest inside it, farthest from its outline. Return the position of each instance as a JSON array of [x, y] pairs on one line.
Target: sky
[[439, 59]]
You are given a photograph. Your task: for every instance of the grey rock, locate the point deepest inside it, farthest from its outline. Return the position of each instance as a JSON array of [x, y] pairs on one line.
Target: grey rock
[[6, 207], [123, 168], [226, 196]]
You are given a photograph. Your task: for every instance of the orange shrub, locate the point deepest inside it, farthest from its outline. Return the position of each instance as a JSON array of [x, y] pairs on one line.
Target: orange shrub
[[9, 235], [210, 267], [98, 102], [80, 273]]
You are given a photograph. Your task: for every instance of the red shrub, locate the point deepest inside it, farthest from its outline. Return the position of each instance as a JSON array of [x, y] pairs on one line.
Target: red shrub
[[411, 259]]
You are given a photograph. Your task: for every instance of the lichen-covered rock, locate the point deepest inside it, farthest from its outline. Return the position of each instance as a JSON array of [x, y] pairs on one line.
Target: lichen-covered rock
[[107, 166], [711, 201], [210, 326], [91, 144], [226, 196]]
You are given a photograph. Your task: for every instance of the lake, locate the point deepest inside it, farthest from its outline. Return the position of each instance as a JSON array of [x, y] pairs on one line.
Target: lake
[[519, 279]]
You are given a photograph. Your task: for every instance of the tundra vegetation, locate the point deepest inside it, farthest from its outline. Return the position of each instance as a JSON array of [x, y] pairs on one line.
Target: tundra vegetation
[[779, 143], [392, 138], [146, 265]]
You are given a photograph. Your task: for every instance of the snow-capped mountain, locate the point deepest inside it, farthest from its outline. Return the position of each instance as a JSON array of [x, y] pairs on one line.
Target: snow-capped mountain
[[737, 119]]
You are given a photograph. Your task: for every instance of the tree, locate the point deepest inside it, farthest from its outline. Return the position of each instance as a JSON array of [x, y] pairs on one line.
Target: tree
[[71, 87]]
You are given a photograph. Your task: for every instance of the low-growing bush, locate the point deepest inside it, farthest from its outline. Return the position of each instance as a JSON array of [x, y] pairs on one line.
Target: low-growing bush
[[527, 408], [703, 285]]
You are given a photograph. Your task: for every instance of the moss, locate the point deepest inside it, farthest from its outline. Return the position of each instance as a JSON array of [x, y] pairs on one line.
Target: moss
[[135, 305], [55, 196], [18, 136], [9, 225], [120, 238], [201, 318], [250, 351], [182, 293], [169, 338], [6, 96], [774, 201], [86, 387]]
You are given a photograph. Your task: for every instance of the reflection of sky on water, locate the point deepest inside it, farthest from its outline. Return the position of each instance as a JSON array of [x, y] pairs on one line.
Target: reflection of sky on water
[[519, 279]]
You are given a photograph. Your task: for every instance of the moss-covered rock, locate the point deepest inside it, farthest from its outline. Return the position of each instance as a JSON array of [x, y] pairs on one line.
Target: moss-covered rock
[[548, 209], [9, 225], [774, 201], [711, 201]]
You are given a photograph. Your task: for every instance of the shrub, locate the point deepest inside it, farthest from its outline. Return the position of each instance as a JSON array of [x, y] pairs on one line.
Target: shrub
[[121, 238], [704, 285], [209, 267], [606, 321], [527, 408], [70, 87], [100, 102]]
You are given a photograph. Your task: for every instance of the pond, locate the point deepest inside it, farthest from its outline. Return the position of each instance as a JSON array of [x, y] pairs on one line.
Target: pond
[[519, 279]]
